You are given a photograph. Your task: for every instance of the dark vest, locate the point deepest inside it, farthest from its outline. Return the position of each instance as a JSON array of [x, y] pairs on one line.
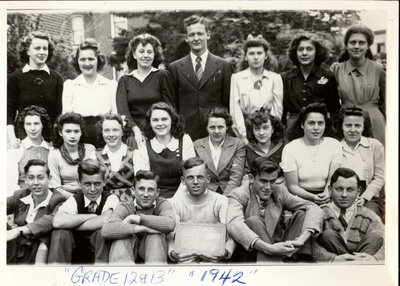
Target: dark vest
[[167, 166], [81, 203]]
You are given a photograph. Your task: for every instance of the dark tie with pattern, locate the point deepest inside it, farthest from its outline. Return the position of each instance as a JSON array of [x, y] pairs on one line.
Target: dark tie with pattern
[[199, 69], [92, 207], [341, 218]]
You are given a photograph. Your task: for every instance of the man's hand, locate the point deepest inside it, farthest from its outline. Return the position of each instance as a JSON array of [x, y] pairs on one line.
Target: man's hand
[[364, 256], [132, 219], [280, 248], [360, 201], [184, 257], [12, 233]]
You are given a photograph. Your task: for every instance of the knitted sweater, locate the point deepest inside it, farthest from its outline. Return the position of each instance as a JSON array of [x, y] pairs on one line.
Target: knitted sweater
[[161, 219], [363, 222]]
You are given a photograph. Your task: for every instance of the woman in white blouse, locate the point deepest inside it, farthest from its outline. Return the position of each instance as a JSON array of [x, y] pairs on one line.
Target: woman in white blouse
[[254, 87], [166, 146], [90, 94]]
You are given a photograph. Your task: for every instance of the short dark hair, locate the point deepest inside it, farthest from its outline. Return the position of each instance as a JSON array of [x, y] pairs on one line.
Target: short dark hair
[[252, 42], [191, 163], [345, 173], [353, 111], [91, 167], [146, 175], [36, 162], [358, 29], [177, 123], [44, 118], [263, 164], [321, 51], [89, 44], [220, 112], [259, 117], [69, 117], [194, 19], [27, 41], [144, 39], [316, 107]]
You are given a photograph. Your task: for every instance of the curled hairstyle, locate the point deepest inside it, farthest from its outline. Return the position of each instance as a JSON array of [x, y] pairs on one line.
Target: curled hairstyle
[[220, 112], [146, 175], [36, 162], [252, 42], [194, 19], [91, 167], [144, 39], [263, 164], [259, 117], [89, 44], [177, 124], [108, 116], [358, 29], [269, 64], [27, 41], [69, 117], [311, 108], [321, 51], [44, 118], [345, 173], [191, 163], [353, 111]]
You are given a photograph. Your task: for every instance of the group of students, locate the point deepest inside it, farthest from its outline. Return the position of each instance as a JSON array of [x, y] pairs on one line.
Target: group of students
[[121, 171]]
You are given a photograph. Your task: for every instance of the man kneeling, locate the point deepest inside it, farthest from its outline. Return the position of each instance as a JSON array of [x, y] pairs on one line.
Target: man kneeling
[[79, 220], [351, 232], [255, 216], [141, 226]]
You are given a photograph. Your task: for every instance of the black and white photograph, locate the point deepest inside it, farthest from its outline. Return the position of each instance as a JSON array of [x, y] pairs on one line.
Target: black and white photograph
[[200, 143]]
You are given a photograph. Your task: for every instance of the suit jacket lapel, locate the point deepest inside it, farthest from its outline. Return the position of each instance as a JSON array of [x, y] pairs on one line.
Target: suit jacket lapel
[[188, 71], [272, 214], [228, 149], [211, 65], [205, 152]]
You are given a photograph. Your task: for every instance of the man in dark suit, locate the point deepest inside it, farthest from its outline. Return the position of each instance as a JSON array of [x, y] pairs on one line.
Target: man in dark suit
[[201, 80]]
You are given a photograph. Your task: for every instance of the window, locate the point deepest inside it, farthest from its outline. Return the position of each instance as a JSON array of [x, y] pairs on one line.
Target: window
[[380, 48], [78, 33], [118, 24]]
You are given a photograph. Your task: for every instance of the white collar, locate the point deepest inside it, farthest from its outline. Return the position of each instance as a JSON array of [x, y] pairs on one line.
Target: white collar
[[363, 142], [135, 72], [203, 57], [158, 147], [349, 211], [27, 68], [139, 207], [121, 151], [212, 145], [247, 74], [28, 200], [100, 80], [87, 201], [27, 143]]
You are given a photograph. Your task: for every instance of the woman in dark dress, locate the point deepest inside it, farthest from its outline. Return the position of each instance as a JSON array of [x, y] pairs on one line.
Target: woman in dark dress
[[144, 85], [34, 84], [166, 146], [309, 81]]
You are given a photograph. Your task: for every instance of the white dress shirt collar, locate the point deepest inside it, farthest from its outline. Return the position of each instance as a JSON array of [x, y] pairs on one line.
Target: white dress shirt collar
[[32, 212], [115, 157], [203, 59], [349, 211], [141, 78], [87, 201], [27, 68], [158, 147], [27, 143], [215, 152]]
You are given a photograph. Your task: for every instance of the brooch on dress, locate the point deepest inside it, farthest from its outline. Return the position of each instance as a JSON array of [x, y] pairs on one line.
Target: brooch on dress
[[258, 84], [322, 80]]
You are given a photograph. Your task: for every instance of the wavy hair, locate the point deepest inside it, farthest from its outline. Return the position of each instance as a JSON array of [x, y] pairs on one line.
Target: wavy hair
[[194, 19], [177, 123], [44, 118], [352, 111], [144, 39], [358, 29], [321, 51], [27, 41], [220, 112], [69, 117], [259, 117], [89, 44]]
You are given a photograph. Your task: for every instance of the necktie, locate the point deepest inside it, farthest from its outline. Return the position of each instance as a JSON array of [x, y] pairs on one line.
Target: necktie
[[199, 69], [341, 218], [92, 207], [356, 72]]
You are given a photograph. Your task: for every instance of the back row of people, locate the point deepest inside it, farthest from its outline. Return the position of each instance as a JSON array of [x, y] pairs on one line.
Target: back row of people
[[198, 82], [92, 226]]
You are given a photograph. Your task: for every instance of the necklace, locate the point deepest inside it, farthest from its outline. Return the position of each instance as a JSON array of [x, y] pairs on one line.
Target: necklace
[[313, 150]]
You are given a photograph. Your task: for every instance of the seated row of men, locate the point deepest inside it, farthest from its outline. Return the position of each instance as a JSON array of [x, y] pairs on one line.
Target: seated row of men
[[262, 222]]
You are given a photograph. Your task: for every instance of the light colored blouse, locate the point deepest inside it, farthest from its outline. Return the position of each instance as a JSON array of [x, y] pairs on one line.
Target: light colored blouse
[[313, 171], [89, 100], [245, 98], [141, 157]]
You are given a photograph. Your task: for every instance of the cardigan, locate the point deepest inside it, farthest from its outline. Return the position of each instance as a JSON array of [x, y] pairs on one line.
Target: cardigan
[[363, 222]]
